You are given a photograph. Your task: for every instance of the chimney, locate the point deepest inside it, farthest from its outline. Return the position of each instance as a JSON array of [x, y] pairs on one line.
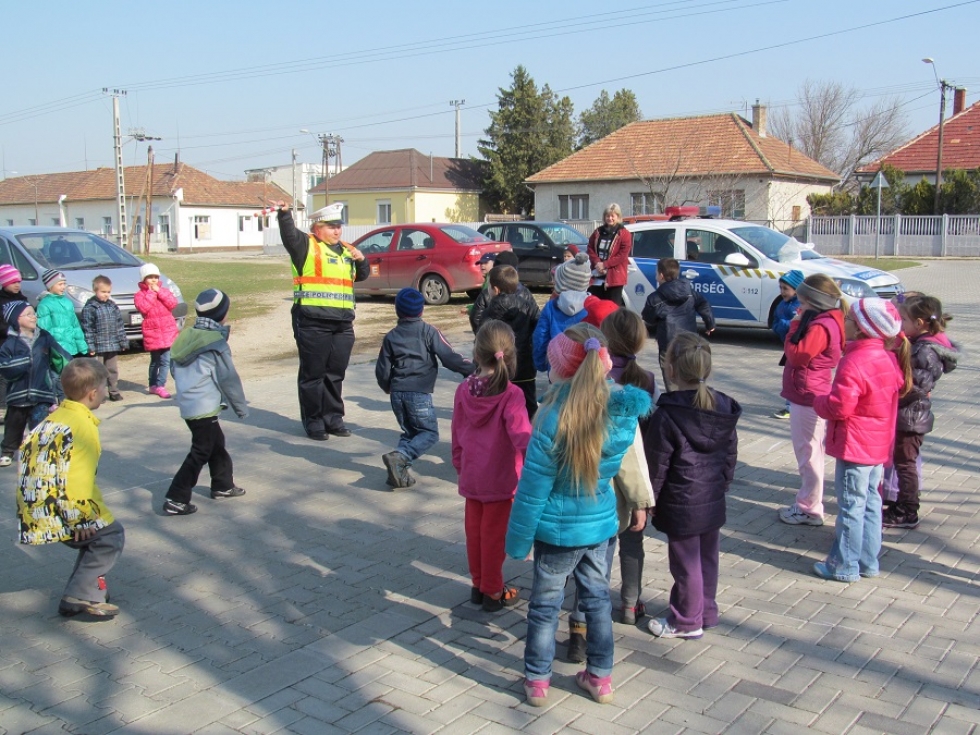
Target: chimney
[[759, 119], [959, 100]]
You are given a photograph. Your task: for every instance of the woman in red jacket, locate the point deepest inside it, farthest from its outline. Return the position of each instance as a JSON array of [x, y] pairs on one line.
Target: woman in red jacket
[[860, 411], [609, 251]]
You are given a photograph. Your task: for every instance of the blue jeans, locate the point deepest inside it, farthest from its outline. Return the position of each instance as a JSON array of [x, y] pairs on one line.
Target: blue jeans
[[417, 420], [159, 367], [577, 615], [858, 530], [552, 565]]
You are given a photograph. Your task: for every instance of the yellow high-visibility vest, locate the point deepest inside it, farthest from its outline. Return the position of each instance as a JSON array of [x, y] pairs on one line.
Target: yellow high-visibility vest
[[327, 279]]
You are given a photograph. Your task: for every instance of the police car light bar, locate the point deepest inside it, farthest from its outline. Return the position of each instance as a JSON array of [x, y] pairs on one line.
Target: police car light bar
[[686, 212]]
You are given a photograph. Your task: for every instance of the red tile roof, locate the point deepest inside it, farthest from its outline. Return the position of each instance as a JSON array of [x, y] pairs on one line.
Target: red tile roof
[[685, 146], [406, 169], [961, 147], [199, 188]]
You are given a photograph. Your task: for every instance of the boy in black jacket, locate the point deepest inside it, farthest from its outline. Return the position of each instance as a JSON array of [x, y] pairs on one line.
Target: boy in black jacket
[[406, 370], [516, 307], [671, 309]]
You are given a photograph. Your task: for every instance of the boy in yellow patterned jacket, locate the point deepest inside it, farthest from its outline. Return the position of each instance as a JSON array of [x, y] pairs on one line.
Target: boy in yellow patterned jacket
[[58, 500]]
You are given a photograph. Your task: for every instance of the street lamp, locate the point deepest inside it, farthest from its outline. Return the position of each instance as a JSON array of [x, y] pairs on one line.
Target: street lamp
[[880, 182], [943, 86]]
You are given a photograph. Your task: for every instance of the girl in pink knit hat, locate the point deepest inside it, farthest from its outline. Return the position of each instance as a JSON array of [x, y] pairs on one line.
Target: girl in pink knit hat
[[860, 411]]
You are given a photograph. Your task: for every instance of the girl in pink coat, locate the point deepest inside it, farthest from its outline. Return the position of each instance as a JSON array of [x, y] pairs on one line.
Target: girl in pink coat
[[156, 303], [490, 434], [860, 410]]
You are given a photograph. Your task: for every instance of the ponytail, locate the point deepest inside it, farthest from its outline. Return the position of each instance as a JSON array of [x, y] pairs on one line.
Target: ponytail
[[903, 352], [494, 348]]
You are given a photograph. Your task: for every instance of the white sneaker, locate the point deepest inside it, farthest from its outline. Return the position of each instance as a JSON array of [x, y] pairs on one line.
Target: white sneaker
[[796, 517], [661, 628], [6, 461]]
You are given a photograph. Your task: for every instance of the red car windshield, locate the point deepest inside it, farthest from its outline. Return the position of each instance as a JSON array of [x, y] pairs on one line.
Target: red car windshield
[[465, 235]]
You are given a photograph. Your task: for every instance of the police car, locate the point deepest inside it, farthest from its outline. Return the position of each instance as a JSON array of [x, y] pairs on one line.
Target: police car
[[736, 265]]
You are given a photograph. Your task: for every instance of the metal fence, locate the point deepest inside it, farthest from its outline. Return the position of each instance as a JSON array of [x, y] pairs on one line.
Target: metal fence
[[904, 235]]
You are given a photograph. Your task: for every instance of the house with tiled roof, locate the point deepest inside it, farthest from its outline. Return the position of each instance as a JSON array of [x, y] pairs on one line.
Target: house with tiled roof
[[918, 157], [189, 209], [710, 159], [391, 187]]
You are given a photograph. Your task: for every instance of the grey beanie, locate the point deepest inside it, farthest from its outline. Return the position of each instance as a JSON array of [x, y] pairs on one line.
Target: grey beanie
[[574, 274], [819, 299]]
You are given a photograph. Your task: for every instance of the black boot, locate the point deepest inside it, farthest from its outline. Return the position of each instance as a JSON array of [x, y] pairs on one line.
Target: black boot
[[576, 642]]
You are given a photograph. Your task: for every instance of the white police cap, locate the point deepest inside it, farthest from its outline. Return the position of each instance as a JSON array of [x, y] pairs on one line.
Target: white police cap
[[330, 213]]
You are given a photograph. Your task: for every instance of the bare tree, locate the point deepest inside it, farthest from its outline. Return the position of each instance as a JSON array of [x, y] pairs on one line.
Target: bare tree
[[831, 126]]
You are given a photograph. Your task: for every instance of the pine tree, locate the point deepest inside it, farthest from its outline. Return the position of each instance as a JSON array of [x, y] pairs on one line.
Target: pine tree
[[607, 116]]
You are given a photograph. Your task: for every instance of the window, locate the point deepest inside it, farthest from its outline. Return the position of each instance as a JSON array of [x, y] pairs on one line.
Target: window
[[343, 216], [56, 221], [107, 225], [163, 222], [32, 222], [711, 247], [80, 223], [654, 244], [797, 210], [262, 222], [10, 223], [384, 211], [380, 242], [138, 226], [731, 201], [573, 206], [202, 227], [241, 222], [646, 203]]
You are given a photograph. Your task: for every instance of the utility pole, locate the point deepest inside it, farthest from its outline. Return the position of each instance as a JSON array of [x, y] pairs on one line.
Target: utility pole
[[147, 218], [331, 149], [459, 138], [943, 86], [120, 182], [294, 181]]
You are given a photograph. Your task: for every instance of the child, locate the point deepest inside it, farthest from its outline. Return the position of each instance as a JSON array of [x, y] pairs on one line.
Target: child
[[56, 315], [9, 291], [407, 366], [933, 354], [486, 264], [565, 308], [811, 351], [105, 331], [490, 435], [783, 314], [28, 357], [691, 447], [58, 499], [207, 382], [671, 309], [520, 314], [504, 257], [156, 304], [861, 409], [566, 507]]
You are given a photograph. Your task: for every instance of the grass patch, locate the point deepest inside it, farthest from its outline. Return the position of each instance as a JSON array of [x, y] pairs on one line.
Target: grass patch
[[245, 281], [882, 264]]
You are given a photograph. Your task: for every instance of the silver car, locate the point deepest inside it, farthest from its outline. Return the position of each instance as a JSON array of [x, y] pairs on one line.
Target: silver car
[[81, 256]]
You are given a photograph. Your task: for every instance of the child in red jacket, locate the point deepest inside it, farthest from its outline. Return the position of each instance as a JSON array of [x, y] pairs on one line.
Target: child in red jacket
[[860, 411], [490, 433], [156, 303]]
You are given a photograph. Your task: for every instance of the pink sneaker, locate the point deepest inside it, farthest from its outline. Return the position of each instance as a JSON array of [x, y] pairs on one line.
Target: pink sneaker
[[536, 691], [600, 687], [159, 390]]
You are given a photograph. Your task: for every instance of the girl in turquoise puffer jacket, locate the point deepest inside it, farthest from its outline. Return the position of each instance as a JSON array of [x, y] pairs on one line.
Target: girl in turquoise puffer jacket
[[565, 505]]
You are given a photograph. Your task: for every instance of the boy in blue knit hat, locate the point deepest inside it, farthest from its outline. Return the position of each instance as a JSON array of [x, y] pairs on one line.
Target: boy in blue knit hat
[[786, 309], [406, 370]]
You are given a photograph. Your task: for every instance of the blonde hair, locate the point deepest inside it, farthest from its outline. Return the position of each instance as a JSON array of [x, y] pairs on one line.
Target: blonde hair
[[626, 332], [81, 376], [902, 348], [689, 356], [495, 349], [583, 417], [614, 209], [825, 284]]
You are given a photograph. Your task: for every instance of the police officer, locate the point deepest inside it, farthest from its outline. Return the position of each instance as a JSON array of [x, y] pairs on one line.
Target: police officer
[[324, 272]]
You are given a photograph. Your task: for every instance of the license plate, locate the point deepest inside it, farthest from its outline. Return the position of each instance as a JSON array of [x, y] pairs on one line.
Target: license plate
[[136, 318]]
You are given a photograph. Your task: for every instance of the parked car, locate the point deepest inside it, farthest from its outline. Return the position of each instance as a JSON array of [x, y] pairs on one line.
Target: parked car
[[736, 266], [437, 259], [81, 256], [539, 246]]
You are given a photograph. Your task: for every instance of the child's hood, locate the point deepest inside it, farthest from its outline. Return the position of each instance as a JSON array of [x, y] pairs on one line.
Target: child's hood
[[946, 350], [675, 292], [706, 431], [191, 343], [571, 302], [628, 400], [482, 411]]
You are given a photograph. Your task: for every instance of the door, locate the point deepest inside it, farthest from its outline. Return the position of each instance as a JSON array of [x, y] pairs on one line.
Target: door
[[536, 253], [376, 249], [411, 256], [734, 292]]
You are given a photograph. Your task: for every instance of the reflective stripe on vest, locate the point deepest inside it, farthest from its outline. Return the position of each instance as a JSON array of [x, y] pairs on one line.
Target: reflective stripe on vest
[[326, 279]]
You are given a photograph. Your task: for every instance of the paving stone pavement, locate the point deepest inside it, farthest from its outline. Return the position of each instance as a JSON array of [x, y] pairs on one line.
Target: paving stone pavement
[[321, 602]]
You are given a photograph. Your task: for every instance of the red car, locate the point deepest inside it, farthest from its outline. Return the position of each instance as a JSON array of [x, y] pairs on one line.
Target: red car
[[437, 259]]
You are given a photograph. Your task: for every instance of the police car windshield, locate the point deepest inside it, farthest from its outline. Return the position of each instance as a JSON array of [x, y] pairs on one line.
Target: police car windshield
[[775, 245]]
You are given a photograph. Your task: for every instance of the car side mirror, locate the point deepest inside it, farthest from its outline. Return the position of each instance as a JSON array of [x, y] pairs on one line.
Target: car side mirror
[[738, 259]]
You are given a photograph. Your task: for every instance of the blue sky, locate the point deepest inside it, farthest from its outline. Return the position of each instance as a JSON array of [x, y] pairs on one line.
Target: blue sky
[[231, 83]]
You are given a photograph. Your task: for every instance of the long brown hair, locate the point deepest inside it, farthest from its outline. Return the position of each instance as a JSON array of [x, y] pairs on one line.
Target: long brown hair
[[689, 356], [583, 417], [626, 333], [927, 308], [494, 350]]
